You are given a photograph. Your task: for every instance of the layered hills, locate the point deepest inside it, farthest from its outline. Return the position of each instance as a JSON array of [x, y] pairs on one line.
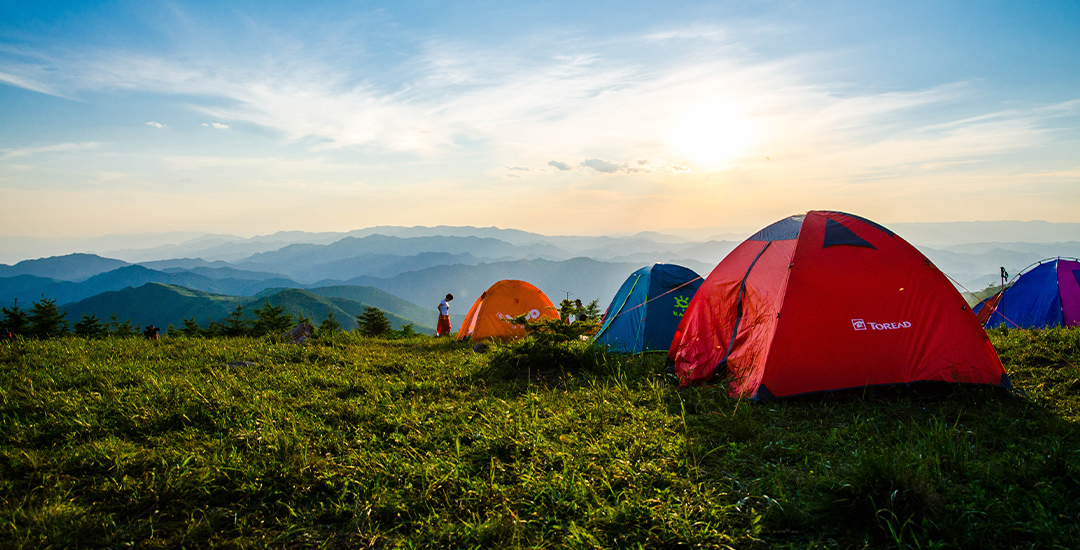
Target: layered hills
[[417, 266]]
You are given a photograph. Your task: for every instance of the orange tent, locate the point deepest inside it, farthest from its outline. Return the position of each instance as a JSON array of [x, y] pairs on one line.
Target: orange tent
[[505, 299]]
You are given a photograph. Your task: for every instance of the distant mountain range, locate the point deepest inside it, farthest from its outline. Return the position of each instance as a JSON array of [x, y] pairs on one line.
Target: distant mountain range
[[976, 265], [213, 247], [418, 265], [73, 267], [582, 278]]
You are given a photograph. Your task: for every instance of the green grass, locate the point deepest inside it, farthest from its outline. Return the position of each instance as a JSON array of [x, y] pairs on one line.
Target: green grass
[[356, 442]]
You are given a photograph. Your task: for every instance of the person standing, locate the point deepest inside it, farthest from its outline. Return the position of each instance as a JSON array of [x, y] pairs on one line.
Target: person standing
[[443, 328], [580, 309]]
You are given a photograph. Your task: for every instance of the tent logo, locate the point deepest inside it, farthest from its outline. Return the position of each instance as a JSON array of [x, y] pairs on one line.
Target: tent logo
[[681, 303], [532, 315], [859, 324]]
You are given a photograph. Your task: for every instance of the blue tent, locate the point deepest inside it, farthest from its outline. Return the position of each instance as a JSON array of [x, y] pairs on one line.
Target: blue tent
[[647, 309], [1044, 295]]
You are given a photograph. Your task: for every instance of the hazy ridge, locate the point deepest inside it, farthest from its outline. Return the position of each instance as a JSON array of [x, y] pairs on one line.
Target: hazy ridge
[[417, 265]]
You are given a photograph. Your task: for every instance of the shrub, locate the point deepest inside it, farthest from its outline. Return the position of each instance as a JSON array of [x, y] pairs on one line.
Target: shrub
[[407, 331], [556, 330], [543, 355]]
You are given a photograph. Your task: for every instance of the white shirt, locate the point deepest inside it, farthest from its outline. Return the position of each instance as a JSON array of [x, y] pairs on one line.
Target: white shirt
[[444, 308]]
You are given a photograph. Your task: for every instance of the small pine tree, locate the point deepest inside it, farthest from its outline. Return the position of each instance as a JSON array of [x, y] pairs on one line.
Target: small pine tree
[[572, 310], [373, 322], [191, 328], [271, 320], [236, 324], [15, 319], [329, 325], [567, 311], [592, 311], [113, 324], [213, 329], [45, 319], [170, 330], [127, 329], [91, 327]]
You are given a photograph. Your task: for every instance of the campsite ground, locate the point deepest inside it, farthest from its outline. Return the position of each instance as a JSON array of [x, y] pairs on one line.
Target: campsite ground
[[356, 442]]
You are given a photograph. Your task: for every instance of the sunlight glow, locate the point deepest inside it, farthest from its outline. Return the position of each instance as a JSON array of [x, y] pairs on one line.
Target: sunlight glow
[[712, 133]]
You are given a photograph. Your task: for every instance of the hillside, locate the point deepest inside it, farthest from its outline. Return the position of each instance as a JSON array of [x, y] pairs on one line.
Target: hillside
[[155, 303], [162, 304], [316, 307], [385, 301]]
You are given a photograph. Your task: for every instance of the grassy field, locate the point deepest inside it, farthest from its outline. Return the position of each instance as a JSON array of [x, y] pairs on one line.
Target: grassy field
[[356, 442]]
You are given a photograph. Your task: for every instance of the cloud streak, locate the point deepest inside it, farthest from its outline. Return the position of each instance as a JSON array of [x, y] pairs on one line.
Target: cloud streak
[[565, 102], [49, 149], [584, 100], [682, 119]]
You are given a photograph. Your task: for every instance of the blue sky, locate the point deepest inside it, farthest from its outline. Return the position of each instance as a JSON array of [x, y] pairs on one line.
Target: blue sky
[[556, 117]]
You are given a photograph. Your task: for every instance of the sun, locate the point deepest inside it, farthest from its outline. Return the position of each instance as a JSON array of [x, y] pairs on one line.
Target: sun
[[712, 133]]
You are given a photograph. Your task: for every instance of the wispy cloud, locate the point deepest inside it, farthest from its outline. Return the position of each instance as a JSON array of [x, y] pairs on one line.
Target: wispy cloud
[[580, 101], [155, 124], [28, 84], [594, 117], [641, 166], [47, 149], [190, 162]]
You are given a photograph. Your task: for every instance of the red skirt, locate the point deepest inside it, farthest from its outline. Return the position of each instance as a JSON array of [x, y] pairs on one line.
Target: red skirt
[[444, 325]]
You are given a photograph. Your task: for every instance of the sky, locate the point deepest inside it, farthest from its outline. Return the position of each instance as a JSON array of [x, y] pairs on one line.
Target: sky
[[556, 117]]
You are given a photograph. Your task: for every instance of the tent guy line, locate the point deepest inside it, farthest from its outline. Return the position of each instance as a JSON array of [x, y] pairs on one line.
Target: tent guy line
[[657, 297]]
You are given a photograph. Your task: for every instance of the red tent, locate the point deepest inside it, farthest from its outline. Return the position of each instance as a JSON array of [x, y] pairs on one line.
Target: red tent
[[829, 301]]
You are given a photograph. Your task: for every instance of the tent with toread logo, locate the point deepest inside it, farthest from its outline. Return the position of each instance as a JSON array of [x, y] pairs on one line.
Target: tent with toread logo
[[490, 314], [829, 301]]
